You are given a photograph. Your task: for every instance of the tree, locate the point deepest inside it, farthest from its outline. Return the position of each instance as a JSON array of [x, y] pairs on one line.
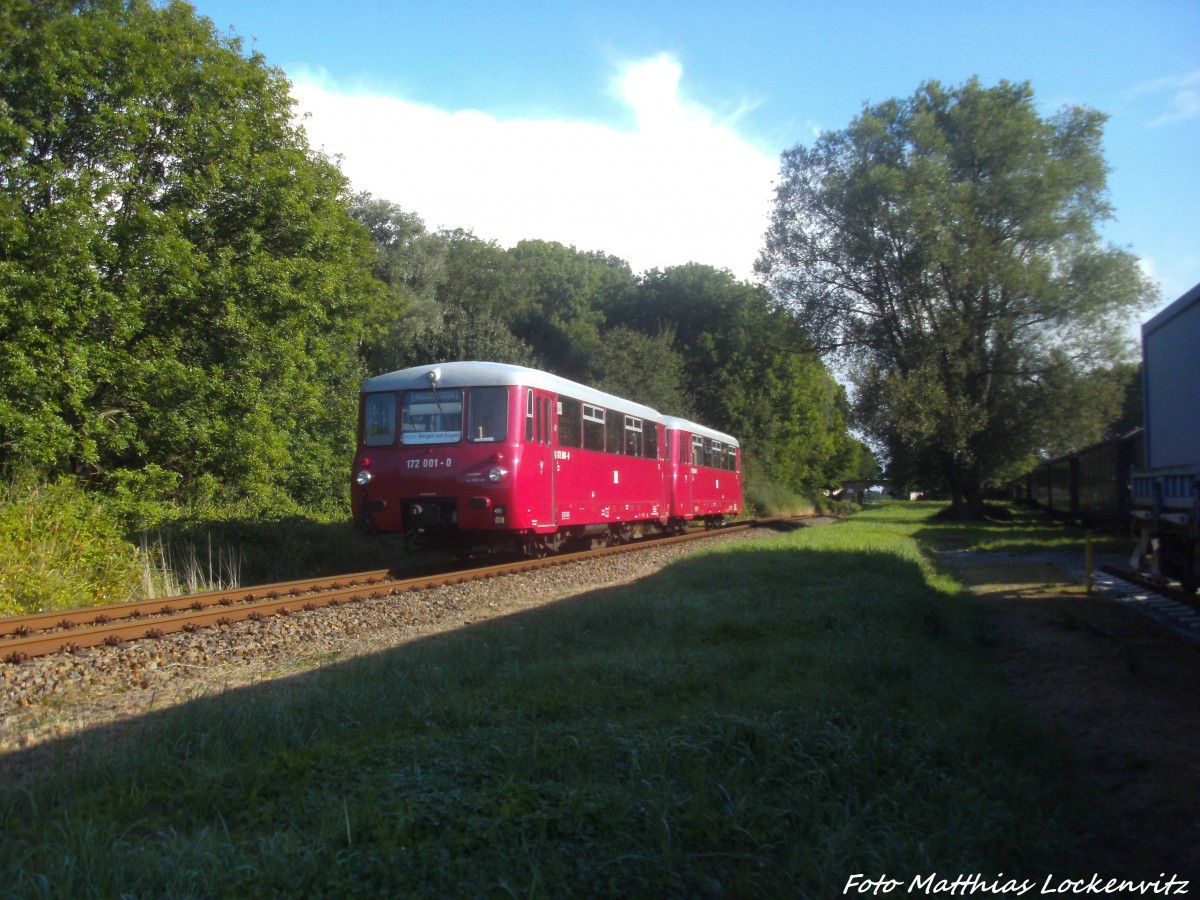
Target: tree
[[553, 297], [182, 288], [412, 264], [944, 248], [749, 370], [645, 368]]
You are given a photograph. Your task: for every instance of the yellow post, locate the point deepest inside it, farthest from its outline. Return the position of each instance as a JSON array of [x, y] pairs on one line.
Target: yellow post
[[1090, 560]]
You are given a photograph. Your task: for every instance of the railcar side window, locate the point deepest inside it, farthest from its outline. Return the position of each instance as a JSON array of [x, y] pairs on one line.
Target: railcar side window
[[650, 441], [633, 436], [569, 434], [487, 414], [697, 450], [593, 427], [379, 420], [615, 430], [431, 417], [529, 415]]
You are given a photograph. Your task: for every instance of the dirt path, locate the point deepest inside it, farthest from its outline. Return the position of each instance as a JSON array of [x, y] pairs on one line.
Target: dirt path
[[1125, 693]]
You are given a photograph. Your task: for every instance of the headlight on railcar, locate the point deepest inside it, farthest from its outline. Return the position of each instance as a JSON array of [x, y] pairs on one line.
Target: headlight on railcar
[[496, 474], [362, 478]]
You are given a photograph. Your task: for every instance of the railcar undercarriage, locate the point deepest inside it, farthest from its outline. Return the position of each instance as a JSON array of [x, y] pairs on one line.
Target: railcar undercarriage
[[433, 524], [1168, 556]]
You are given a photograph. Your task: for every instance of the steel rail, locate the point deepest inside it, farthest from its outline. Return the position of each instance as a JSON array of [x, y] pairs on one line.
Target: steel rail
[[1165, 590], [160, 617], [18, 625]]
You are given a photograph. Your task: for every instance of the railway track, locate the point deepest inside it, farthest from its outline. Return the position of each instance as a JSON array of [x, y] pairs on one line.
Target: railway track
[[1175, 608], [42, 634]]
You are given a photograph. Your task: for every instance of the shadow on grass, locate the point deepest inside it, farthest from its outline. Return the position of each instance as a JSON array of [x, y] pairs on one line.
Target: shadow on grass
[[767, 720], [1021, 529]]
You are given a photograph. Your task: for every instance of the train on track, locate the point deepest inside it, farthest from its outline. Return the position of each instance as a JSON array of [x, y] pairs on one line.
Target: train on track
[[487, 455], [1149, 478], [1165, 493], [1090, 486]]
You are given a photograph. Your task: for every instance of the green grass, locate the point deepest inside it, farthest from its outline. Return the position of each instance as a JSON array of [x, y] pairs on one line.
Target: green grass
[[763, 719]]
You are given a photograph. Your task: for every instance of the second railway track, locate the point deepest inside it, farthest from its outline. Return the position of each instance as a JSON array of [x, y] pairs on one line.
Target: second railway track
[[1172, 607]]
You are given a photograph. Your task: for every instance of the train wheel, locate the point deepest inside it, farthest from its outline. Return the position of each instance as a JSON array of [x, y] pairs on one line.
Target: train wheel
[[1189, 578], [539, 546], [619, 534]]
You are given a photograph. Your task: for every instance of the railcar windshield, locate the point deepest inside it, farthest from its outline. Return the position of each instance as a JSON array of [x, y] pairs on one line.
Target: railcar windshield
[[487, 414], [431, 417], [379, 420]]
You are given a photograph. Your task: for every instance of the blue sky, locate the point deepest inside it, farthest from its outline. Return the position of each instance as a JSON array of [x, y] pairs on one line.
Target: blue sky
[[652, 130]]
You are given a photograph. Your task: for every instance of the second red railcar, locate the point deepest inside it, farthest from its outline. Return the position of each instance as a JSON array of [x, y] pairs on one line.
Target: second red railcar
[[704, 474]]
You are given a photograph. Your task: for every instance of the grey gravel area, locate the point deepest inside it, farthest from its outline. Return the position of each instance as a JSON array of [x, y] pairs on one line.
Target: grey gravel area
[[1178, 617], [49, 697]]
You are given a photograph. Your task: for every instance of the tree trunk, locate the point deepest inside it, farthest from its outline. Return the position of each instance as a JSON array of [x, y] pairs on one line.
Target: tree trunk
[[966, 503]]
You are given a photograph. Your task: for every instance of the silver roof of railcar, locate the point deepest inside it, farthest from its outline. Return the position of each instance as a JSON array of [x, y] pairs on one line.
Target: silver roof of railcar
[[1165, 315], [488, 374], [696, 428]]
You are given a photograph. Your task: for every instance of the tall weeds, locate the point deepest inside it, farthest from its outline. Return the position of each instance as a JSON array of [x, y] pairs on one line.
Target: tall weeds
[[170, 570]]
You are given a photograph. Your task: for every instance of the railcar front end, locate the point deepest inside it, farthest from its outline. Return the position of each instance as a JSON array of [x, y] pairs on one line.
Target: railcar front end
[[437, 457]]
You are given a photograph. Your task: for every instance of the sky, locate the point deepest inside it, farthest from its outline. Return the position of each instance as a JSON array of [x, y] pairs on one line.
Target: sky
[[652, 131]]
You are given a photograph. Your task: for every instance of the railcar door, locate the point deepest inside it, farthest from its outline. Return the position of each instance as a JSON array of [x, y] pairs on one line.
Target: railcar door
[[538, 460], [687, 475]]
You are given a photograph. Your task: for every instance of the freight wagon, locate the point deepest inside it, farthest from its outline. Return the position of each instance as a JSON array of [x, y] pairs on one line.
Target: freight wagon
[[1166, 491]]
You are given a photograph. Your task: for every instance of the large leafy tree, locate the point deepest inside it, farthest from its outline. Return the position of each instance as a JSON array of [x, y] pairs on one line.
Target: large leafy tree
[[182, 288], [945, 246]]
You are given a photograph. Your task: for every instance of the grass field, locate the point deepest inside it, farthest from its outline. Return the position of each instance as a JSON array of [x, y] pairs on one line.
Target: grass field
[[763, 719]]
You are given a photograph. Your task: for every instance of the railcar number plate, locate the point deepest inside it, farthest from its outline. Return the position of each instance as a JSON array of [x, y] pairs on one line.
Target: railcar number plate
[[429, 462]]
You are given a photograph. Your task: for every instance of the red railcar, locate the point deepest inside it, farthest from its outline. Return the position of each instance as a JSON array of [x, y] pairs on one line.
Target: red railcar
[[484, 453], [704, 474]]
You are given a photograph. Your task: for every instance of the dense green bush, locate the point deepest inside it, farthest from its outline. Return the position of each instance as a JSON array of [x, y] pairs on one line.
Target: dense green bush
[[60, 548], [765, 496]]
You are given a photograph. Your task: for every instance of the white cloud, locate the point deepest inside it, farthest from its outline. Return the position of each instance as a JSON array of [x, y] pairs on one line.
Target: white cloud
[[681, 186], [1179, 93], [1185, 104]]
